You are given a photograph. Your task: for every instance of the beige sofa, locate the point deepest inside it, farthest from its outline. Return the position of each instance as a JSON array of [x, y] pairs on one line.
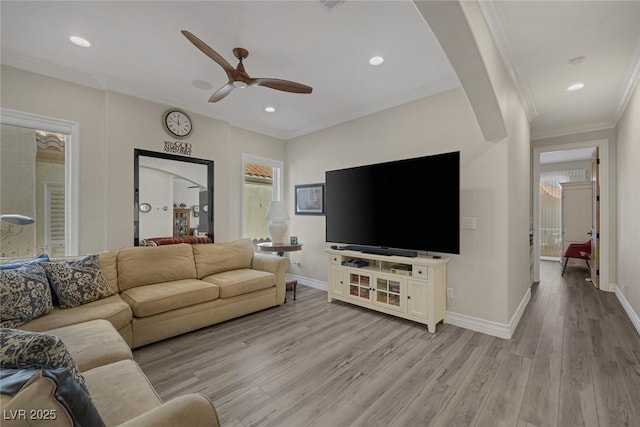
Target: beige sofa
[[120, 392], [169, 290]]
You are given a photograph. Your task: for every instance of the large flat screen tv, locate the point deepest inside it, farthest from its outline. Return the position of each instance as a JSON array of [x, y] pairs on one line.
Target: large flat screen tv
[[411, 204]]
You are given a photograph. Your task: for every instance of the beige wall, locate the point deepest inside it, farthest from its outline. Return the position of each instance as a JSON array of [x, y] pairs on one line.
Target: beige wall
[[628, 212], [490, 277], [518, 160], [111, 126], [437, 124]]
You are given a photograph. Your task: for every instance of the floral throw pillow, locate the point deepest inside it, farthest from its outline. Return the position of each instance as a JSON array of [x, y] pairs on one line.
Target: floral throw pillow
[[25, 350], [79, 281], [24, 295]]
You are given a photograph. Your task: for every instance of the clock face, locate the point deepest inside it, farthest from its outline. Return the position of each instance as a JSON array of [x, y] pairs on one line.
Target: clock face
[[177, 123]]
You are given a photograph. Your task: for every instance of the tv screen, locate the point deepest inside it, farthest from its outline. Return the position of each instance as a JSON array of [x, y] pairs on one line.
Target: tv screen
[[407, 204]]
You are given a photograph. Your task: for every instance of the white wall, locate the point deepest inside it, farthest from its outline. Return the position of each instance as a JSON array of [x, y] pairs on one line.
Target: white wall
[[437, 124], [518, 159], [111, 126], [628, 213], [156, 192], [490, 277]]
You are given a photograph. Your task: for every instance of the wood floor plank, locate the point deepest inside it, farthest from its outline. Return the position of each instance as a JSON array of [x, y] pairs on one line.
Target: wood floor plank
[[574, 359], [505, 398]]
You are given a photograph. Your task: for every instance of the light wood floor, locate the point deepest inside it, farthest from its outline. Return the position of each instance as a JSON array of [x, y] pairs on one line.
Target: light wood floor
[[574, 360]]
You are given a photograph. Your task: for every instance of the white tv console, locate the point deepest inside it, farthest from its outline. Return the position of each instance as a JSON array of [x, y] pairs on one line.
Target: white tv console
[[411, 288]]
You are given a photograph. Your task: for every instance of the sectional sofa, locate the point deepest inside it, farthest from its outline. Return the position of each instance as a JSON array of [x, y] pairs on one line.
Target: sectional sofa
[[163, 291], [148, 294]]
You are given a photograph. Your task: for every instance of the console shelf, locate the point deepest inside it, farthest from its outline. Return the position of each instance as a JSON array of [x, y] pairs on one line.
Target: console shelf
[[411, 288]]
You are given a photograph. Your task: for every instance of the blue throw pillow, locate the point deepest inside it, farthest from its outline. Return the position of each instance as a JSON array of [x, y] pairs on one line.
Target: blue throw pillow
[[41, 258], [66, 392]]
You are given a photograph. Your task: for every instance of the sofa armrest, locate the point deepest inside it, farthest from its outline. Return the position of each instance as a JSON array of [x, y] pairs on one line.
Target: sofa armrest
[[193, 410], [276, 265]]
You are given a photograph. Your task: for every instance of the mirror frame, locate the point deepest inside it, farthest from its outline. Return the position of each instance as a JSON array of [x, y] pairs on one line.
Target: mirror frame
[[137, 152]]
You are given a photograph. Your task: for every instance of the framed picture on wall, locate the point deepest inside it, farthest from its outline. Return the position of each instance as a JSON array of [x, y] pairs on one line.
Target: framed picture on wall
[[310, 199]]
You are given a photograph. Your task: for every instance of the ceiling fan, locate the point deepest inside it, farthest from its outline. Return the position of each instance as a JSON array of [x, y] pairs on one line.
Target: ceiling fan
[[238, 77]]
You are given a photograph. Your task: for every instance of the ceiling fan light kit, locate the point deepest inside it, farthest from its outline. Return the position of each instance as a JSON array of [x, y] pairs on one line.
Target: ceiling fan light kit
[[238, 77]]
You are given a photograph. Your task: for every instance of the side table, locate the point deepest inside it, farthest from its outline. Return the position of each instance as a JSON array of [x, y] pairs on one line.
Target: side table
[[280, 249]]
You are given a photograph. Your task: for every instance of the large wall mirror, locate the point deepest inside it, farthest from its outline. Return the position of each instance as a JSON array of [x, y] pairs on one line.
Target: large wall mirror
[[172, 196]]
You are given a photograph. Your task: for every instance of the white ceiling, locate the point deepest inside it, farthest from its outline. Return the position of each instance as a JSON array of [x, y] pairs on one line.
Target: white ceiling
[[566, 155], [137, 49]]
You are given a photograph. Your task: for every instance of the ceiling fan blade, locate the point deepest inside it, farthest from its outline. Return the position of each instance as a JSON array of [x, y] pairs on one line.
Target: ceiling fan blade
[[207, 50], [284, 85], [221, 93]]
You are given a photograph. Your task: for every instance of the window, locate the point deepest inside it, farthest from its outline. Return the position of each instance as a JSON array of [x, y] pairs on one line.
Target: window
[[262, 183], [48, 183]]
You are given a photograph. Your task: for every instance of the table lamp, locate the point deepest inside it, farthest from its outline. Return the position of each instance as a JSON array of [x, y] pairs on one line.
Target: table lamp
[[277, 216]]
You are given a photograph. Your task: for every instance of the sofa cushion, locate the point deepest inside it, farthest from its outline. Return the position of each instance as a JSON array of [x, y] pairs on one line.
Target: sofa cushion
[[153, 299], [93, 343], [218, 257], [113, 308], [139, 265], [238, 282], [120, 391], [24, 295], [49, 397], [78, 281], [109, 267], [25, 350]]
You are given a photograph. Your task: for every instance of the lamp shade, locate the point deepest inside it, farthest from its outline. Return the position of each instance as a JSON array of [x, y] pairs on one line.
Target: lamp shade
[[277, 211], [17, 219]]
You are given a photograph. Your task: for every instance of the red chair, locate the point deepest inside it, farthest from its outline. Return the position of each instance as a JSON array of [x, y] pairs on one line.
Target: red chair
[[577, 250]]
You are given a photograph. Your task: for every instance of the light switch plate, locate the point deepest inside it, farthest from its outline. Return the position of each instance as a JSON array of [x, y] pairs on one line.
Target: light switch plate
[[469, 222]]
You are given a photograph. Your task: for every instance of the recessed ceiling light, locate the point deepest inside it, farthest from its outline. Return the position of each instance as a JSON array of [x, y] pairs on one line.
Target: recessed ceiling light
[[82, 42], [575, 86], [202, 84], [269, 109], [376, 60]]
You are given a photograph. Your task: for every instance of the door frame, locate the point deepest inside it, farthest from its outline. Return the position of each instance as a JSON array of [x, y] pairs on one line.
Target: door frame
[[605, 228]]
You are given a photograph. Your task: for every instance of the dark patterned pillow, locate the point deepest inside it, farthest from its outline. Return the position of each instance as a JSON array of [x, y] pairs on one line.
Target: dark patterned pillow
[[79, 281], [26, 350], [24, 295]]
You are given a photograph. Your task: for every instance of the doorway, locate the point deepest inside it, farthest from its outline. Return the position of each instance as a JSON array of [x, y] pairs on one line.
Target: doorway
[[544, 195]]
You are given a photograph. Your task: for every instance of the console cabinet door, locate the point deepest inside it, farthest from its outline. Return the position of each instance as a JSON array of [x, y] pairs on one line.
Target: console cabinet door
[[389, 292], [417, 298], [337, 280], [359, 285]]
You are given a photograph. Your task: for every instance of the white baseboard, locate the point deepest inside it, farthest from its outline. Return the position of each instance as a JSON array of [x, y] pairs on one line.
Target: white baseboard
[[312, 283], [489, 327], [496, 329], [633, 316]]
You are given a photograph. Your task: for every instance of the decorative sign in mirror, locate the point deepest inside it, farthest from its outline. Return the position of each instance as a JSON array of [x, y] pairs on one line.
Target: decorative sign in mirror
[[168, 181]]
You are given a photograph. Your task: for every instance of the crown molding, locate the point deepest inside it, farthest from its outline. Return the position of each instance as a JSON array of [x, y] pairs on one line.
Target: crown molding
[[494, 16], [630, 82], [591, 127]]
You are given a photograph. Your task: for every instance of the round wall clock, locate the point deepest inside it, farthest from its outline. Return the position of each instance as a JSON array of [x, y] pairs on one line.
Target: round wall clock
[[177, 123]]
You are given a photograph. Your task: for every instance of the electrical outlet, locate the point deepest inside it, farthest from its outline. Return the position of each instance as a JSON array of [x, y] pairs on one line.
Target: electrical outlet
[[450, 294]]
